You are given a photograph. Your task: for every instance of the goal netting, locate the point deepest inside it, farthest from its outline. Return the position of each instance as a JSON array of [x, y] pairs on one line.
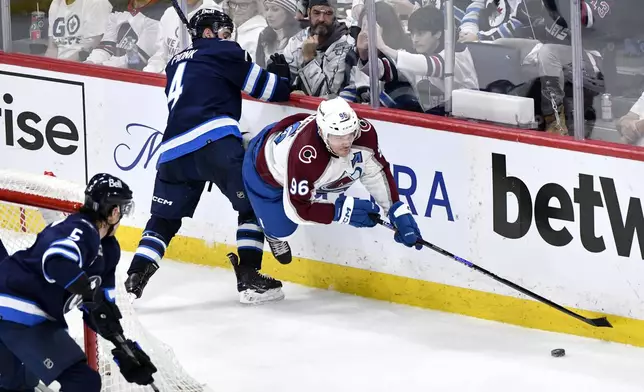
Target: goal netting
[[29, 202]]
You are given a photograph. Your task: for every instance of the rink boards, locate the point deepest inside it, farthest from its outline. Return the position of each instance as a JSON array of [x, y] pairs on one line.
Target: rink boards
[[561, 218]]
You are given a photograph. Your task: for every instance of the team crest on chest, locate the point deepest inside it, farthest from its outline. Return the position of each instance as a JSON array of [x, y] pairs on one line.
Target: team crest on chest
[[341, 184]]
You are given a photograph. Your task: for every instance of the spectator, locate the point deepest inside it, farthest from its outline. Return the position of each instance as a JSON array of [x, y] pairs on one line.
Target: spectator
[[631, 126], [548, 56], [404, 8], [396, 91], [130, 37], [76, 27], [427, 66], [487, 20], [282, 25], [249, 23], [317, 55], [169, 39]]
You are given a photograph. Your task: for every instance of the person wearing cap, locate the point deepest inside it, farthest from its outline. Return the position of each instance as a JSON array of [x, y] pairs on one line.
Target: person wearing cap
[[282, 25], [316, 56]]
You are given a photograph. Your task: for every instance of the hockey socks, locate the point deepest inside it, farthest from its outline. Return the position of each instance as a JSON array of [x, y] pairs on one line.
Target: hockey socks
[[145, 263], [250, 244]]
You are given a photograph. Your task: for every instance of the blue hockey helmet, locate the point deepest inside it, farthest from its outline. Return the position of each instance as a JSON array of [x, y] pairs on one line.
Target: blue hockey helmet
[[104, 192], [211, 18]]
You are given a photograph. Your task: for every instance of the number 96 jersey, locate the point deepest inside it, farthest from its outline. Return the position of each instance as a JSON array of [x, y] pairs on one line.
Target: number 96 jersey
[[294, 157], [33, 281]]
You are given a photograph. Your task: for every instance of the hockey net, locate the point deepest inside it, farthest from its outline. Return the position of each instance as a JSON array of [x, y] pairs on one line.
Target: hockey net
[[28, 203]]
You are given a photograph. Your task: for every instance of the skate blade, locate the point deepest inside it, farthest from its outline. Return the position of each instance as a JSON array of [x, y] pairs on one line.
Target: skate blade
[[250, 297]]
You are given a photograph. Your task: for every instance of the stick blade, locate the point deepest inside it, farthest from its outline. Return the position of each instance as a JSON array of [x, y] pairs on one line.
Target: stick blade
[[600, 322]]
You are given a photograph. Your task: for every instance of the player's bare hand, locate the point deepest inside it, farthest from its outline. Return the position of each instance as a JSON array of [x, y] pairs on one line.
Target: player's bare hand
[[309, 48]]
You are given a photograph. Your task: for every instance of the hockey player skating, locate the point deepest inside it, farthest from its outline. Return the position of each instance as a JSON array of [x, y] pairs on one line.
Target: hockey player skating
[[289, 164], [72, 263], [202, 143]]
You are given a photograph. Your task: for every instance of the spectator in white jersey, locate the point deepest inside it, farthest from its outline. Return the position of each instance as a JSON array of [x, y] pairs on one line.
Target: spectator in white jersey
[[169, 38], [76, 27], [426, 67], [282, 25], [131, 35], [249, 22]]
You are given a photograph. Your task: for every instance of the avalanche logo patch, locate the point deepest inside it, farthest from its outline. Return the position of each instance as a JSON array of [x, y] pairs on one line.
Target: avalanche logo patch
[[341, 184]]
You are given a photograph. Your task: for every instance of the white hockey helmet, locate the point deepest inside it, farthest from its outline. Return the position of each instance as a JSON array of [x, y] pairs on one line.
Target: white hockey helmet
[[336, 117]]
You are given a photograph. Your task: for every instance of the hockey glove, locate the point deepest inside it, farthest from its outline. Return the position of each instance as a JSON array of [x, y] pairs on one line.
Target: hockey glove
[[138, 278], [407, 232], [138, 368], [278, 65], [102, 314], [355, 212]]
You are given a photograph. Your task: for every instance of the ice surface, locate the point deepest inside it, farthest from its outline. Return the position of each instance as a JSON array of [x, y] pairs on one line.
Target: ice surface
[[321, 341]]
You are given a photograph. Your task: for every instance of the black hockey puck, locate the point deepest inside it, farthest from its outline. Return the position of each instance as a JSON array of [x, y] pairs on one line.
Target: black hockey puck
[[558, 352]]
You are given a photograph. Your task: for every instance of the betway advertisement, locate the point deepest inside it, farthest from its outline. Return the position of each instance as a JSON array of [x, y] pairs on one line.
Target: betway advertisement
[[565, 224]]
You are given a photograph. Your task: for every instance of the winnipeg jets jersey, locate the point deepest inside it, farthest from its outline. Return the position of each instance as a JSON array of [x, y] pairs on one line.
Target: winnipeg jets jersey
[[168, 41], [296, 158], [72, 27], [204, 91], [29, 293]]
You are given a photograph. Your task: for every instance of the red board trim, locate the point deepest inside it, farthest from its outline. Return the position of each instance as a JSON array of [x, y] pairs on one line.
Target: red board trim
[[383, 114]]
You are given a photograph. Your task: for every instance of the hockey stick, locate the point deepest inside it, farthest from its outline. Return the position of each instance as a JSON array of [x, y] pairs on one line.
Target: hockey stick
[[119, 341], [181, 14], [595, 322]]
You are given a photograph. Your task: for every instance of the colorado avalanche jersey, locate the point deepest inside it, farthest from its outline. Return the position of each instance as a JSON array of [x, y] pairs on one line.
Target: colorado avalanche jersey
[[33, 281], [204, 90], [295, 157], [74, 27]]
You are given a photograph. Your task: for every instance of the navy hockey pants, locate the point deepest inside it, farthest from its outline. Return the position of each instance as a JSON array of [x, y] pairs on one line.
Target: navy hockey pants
[[177, 191], [43, 352], [3, 251], [267, 200]]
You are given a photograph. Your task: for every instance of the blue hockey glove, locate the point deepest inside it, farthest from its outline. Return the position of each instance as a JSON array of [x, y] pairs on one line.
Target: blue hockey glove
[[407, 232], [355, 212]]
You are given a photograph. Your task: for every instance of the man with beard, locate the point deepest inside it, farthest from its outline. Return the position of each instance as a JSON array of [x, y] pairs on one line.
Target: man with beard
[[316, 56]]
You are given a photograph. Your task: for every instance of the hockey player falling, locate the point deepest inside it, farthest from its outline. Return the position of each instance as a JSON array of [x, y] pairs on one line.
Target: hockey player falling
[[72, 262], [291, 162], [202, 143]]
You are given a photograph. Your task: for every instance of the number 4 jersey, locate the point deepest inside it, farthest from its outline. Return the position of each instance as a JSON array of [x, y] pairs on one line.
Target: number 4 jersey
[[204, 91], [294, 157], [33, 281]]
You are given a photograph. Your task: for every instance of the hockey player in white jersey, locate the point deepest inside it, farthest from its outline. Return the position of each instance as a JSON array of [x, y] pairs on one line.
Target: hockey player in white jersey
[[290, 165], [169, 38], [76, 27]]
